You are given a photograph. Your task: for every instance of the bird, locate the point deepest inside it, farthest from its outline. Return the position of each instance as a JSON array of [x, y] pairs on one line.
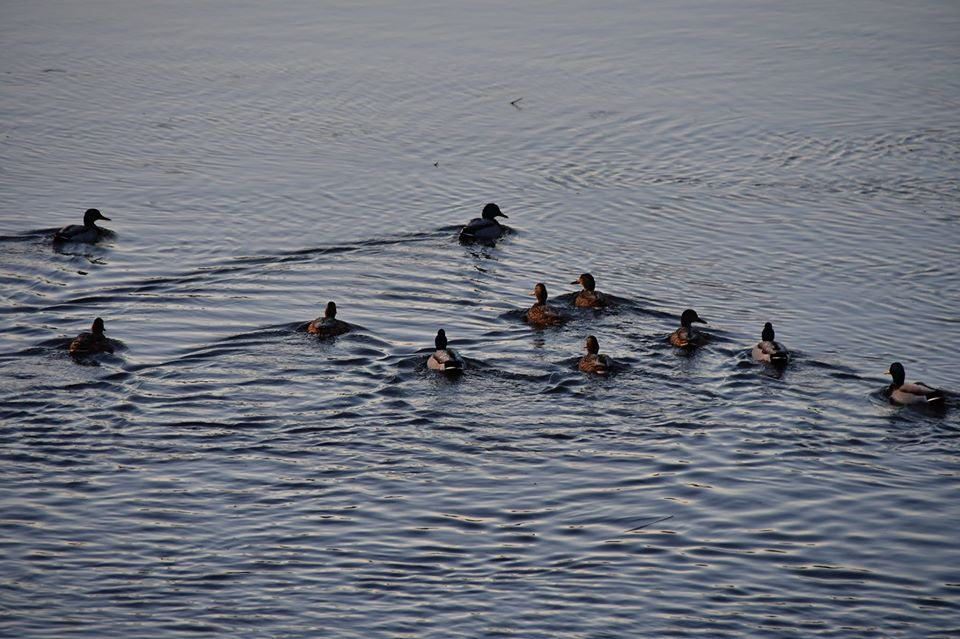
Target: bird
[[443, 358], [485, 228], [541, 314], [93, 342], [768, 350], [687, 335], [590, 297], [593, 361], [89, 232], [916, 393], [328, 325]]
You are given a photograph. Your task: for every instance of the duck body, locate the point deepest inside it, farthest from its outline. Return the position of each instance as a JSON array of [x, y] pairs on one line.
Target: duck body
[[906, 394], [542, 314], [593, 361], [687, 336], [91, 343], [444, 359], [484, 229], [768, 350], [88, 232], [328, 325], [589, 297]]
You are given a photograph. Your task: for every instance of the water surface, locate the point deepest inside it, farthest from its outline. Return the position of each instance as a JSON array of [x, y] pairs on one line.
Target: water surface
[[227, 474]]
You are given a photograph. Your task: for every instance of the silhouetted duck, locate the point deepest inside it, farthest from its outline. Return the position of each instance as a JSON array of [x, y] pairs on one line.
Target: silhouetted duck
[[93, 342], [916, 393], [687, 335], [444, 359], [593, 361], [769, 350], [541, 314], [328, 325], [88, 233], [590, 297], [485, 228]]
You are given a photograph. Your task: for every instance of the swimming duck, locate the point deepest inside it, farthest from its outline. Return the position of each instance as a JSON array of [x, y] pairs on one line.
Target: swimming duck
[[768, 350], [93, 342], [485, 228], [328, 325], [88, 233], [916, 393], [593, 361], [687, 335], [540, 314], [589, 297], [444, 359]]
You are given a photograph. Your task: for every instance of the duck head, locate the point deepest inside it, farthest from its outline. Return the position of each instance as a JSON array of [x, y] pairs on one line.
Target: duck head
[[97, 327], [540, 292], [896, 371], [593, 346], [92, 215], [767, 335], [491, 211], [331, 311], [586, 281], [441, 340], [690, 316]]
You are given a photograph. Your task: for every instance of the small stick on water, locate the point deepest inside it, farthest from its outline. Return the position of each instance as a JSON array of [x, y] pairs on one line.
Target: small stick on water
[[437, 163], [515, 104], [655, 521]]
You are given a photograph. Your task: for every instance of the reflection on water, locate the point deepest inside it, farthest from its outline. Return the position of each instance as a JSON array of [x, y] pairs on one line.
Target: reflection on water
[[228, 470]]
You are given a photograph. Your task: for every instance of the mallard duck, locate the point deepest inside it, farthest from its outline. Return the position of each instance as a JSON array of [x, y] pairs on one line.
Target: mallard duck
[[590, 297], [93, 342], [593, 361], [916, 393], [541, 314], [768, 350], [88, 233], [444, 359], [328, 325], [485, 228], [687, 335]]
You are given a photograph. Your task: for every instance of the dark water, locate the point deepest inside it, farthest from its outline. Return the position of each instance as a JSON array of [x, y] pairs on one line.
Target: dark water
[[227, 474]]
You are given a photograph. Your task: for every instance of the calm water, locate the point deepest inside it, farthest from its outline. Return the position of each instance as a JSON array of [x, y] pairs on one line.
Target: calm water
[[226, 474]]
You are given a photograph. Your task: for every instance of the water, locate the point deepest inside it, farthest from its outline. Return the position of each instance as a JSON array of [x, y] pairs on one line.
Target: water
[[226, 474]]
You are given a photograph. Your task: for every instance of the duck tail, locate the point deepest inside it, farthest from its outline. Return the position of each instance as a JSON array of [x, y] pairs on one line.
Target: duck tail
[[935, 396], [779, 358]]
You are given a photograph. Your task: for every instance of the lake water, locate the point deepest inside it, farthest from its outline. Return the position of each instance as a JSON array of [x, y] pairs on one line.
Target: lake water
[[227, 474]]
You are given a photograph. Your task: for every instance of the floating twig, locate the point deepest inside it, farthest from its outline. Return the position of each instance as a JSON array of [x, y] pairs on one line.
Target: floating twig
[[515, 103], [655, 521]]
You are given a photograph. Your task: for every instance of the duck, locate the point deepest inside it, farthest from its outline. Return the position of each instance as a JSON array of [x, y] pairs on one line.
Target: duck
[[485, 228], [328, 325], [589, 297], [687, 336], [541, 314], [593, 361], [443, 358], [916, 393], [91, 343], [768, 350], [89, 232]]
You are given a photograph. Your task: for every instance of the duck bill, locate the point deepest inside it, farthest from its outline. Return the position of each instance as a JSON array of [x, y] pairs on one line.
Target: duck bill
[[103, 217], [700, 320], [502, 215]]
